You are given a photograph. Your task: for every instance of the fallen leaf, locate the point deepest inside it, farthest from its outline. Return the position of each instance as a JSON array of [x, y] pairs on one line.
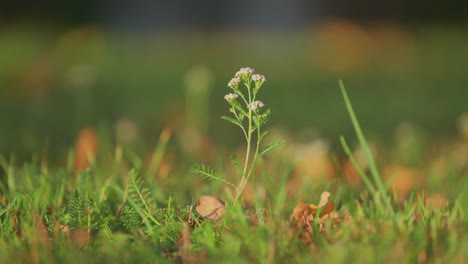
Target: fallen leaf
[[327, 209], [324, 198], [210, 207], [303, 214], [306, 212]]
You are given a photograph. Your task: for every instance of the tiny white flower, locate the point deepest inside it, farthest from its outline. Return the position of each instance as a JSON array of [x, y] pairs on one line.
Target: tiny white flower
[[234, 82], [258, 77], [255, 105], [231, 96], [244, 72]]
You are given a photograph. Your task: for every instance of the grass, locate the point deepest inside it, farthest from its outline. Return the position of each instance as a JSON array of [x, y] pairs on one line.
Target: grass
[[121, 210]]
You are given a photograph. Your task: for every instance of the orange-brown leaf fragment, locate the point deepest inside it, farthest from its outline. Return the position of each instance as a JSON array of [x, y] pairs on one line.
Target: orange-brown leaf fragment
[[326, 204], [210, 207], [302, 213], [303, 216], [327, 209]]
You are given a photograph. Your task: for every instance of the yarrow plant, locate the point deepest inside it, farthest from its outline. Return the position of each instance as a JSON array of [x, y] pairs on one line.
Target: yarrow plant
[[250, 115]]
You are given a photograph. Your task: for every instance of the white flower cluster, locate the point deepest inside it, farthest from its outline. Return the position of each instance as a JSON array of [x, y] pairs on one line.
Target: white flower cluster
[[256, 105], [231, 96], [244, 72], [258, 78], [234, 82]]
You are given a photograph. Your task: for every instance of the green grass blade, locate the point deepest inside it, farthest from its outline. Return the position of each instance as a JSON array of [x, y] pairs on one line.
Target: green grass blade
[[361, 173], [159, 151], [363, 142]]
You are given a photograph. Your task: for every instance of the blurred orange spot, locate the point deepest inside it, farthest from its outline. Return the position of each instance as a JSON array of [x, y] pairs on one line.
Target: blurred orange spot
[[345, 47], [403, 179], [351, 174], [86, 147], [341, 46], [312, 163]]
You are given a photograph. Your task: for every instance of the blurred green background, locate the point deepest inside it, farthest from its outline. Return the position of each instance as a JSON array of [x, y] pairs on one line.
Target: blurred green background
[[58, 75]]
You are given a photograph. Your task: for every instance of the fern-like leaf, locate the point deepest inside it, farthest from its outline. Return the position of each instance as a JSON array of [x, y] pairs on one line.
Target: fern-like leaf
[[263, 135], [76, 210], [130, 218], [232, 120], [271, 146], [207, 173], [141, 197], [107, 233], [235, 161]]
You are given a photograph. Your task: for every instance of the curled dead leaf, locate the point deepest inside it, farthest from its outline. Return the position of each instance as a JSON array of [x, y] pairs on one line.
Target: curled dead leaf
[[303, 214], [210, 207]]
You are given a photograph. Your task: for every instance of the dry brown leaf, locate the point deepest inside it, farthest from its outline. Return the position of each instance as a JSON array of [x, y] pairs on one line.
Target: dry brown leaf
[[327, 208], [86, 147], [210, 207], [324, 198], [303, 214]]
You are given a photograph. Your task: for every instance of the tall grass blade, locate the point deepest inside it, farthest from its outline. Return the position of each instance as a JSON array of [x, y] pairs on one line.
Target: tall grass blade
[[361, 173], [363, 142]]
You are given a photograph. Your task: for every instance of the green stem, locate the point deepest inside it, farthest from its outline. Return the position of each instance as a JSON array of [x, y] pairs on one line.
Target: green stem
[[247, 155], [254, 161], [252, 165], [243, 129]]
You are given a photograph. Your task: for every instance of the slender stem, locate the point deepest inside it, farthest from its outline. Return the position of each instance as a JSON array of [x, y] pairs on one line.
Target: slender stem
[[242, 127], [249, 138], [252, 165], [243, 98], [249, 133], [247, 155]]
